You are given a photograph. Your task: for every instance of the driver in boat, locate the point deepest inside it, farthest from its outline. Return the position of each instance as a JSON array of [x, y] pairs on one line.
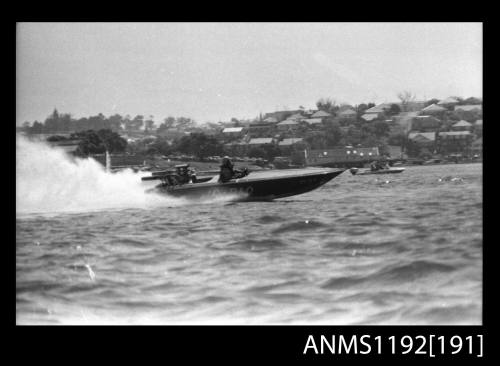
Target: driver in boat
[[227, 171], [379, 165]]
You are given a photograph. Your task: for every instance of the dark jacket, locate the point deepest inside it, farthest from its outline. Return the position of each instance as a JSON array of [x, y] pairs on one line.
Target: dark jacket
[[226, 173]]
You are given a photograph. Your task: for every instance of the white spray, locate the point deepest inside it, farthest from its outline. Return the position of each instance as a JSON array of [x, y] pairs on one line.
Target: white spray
[[48, 180]]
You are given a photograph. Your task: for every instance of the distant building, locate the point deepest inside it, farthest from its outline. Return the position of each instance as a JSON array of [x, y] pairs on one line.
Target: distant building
[[321, 114], [455, 141], [469, 108], [381, 108], [313, 121], [69, 146], [425, 123], [257, 129], [233, 131], [281, 115], [370, 116], [290, 141], [342, 157], [426, 139], [296, 117], [395, 152], [433, 109], [271, 120], [261, 141], [287, 125], [448, 102], [477, 147], [348, 113], [461, 126]]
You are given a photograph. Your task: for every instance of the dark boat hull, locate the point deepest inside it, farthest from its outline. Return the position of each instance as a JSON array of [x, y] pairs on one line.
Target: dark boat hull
[[248, 188], [383, 171]]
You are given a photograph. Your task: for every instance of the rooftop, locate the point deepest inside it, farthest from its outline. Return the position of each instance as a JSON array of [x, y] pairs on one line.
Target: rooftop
[[421, 136], [449, 100], [347, 112], [261, 140], [312, 121], [462, 123], [232, 129], [468, 107], [288, 122], [289, 141], [454, 133], [321, 114], [369, 117], [433, 108]]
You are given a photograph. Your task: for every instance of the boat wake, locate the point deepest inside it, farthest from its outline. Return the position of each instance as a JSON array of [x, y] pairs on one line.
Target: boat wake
[[48, 180]]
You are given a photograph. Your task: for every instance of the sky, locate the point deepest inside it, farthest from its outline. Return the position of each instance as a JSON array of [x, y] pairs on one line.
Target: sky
[[215, 71]]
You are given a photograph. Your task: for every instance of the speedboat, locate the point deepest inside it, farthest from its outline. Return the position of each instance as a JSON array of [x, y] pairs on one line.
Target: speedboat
[[258, 185], [356, 171]]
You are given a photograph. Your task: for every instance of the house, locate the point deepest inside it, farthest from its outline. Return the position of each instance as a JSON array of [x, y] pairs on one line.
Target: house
[[281, 115], [287, 125], [454, 141], [433, 109], [286, 143], [448, 102], [423, 138], [69, 146], [234, 131], [296, 117], [321, 114], [462, 126], [261, 141], [395, 152], [290, 141], [425, 123], [477, 147], [313, 122], [342, 157], [258, 129], [469, 108], [370, 117], [454, 135], [347, 115], [381, 108], [478, 127], [271, 120]]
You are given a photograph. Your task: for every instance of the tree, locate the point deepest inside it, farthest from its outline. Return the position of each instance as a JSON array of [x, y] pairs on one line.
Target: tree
[[257, 152], [397, 139], [472, 100], [26, 126], [381, 128], [92, 142], [327, 105], [406, 98], [137, 122], [333, 134], [149, 124], [394, 109], [115, 122], [184, 123], [430, 102], [199, 145]]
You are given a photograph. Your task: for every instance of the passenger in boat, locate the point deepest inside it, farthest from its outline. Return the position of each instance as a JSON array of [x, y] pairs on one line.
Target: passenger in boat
[[226, 170]]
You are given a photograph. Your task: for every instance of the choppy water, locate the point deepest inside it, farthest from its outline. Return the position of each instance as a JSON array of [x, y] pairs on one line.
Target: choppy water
[[389, 249]]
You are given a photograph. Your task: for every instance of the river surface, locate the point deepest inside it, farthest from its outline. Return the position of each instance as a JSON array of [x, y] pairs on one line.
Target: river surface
[[388, 249]]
